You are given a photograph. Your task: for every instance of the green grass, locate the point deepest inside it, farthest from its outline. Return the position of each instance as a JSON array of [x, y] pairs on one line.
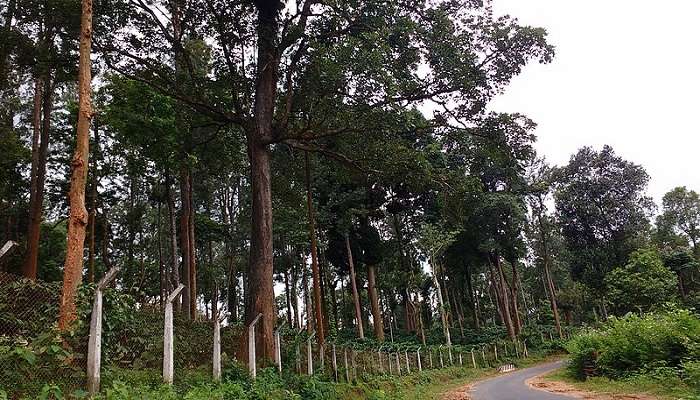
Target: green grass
[[662, 385]]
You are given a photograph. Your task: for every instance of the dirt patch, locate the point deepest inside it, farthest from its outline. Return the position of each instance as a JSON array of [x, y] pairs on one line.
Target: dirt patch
[[460, 393], [566, 389]]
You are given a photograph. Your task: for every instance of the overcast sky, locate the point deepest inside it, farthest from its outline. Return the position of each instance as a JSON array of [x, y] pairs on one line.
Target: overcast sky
[[626, 73]]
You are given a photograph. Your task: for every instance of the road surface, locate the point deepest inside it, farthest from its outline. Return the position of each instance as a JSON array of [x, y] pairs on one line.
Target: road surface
[[512, 386]]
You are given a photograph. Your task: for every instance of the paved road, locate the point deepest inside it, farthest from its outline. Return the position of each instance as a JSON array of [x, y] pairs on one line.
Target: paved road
[[512, 386]]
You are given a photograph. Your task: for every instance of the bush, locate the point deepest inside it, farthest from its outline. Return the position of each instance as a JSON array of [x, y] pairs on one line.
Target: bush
[[631, 344]]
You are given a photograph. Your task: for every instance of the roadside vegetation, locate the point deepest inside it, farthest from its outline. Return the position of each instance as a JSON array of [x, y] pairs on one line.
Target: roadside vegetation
[[658, 353]]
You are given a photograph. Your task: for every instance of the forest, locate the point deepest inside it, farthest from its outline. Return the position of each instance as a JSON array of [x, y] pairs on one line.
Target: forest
[[332, 167]]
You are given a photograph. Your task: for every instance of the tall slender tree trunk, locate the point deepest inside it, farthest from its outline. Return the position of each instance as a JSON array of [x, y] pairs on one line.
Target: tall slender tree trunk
[[355, 293], [193, 250], [472, 299], [260, 298], [503, 296], [295, 296], [377, 320], [551, 292], [185, 245], [514, 291], [73, 267], [441, 304], [316, 275], [288, 298], [93, 205], [43, 98], [174, 280]]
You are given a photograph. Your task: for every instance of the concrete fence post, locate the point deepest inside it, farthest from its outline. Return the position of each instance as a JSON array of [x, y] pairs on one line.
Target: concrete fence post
[[335, 364], [310, 354], [460, 359], [278, 347], [495, 352], [216, 352], [442, 365], [251, 347], [398, 364], [347, 369], [7, 248], [94, 356], [408, 365], [449, 352], [430, 357], [168, 348], [420, 367], [473, 360]]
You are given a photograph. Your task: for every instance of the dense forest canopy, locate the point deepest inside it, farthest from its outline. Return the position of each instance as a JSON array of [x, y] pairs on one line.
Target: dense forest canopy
[[331, 164]]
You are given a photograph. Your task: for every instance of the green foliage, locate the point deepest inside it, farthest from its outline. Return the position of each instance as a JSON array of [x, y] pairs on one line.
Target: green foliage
[[642, 284], [631, 344]]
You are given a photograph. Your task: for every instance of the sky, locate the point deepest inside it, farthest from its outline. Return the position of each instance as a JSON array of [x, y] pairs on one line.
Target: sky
[[626, 73]]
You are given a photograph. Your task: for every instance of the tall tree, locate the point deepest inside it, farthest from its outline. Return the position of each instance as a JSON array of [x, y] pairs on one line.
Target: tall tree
[[73, 267], [603, 211], [681, 214]]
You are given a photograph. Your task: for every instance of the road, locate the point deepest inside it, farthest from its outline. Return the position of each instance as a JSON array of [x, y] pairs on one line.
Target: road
[[512, 386]]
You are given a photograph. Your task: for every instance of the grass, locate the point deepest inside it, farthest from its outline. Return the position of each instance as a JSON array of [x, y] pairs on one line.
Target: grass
[[664, 386]]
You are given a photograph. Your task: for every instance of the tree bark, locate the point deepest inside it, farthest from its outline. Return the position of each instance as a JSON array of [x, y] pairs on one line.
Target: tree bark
[[472, 298], [355, 293], [377, 320], [316, 275], [185, 245], [172, 223], [73, 267], [93, 206], [260, 298], [551, 292], [43, 99], [193, 251], [441, 304], [502, 293]]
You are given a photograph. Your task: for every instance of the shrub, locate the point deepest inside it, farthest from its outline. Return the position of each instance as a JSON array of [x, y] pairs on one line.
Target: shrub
[[632, 343]]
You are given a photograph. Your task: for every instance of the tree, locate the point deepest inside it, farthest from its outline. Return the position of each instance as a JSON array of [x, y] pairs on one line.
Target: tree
[[434, 240], [603, 212], [73, 267], [681, 214], [641, 284], [316, 51], [539, 180]]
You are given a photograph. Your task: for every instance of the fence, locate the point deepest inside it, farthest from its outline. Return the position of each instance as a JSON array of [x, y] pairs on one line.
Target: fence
[[26, 308]]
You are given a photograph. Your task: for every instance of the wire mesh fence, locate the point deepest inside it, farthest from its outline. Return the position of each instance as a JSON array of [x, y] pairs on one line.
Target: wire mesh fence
[[35, 357]]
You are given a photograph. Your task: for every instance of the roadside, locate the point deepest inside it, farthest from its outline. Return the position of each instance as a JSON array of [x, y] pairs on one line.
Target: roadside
[[461, 390], [558, 382]]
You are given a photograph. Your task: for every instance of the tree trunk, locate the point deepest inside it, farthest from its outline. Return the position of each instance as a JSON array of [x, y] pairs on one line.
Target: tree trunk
[[514, 289], [174, 282], [551, 293], [193, 251], [43, 97], [502, 293], [185, 245], [441, 304], [73, 267], [472, 299], [261, 296], [295, 297], [288, 298], [316, 275], [93, 206], [374, 302], [355, 293]]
